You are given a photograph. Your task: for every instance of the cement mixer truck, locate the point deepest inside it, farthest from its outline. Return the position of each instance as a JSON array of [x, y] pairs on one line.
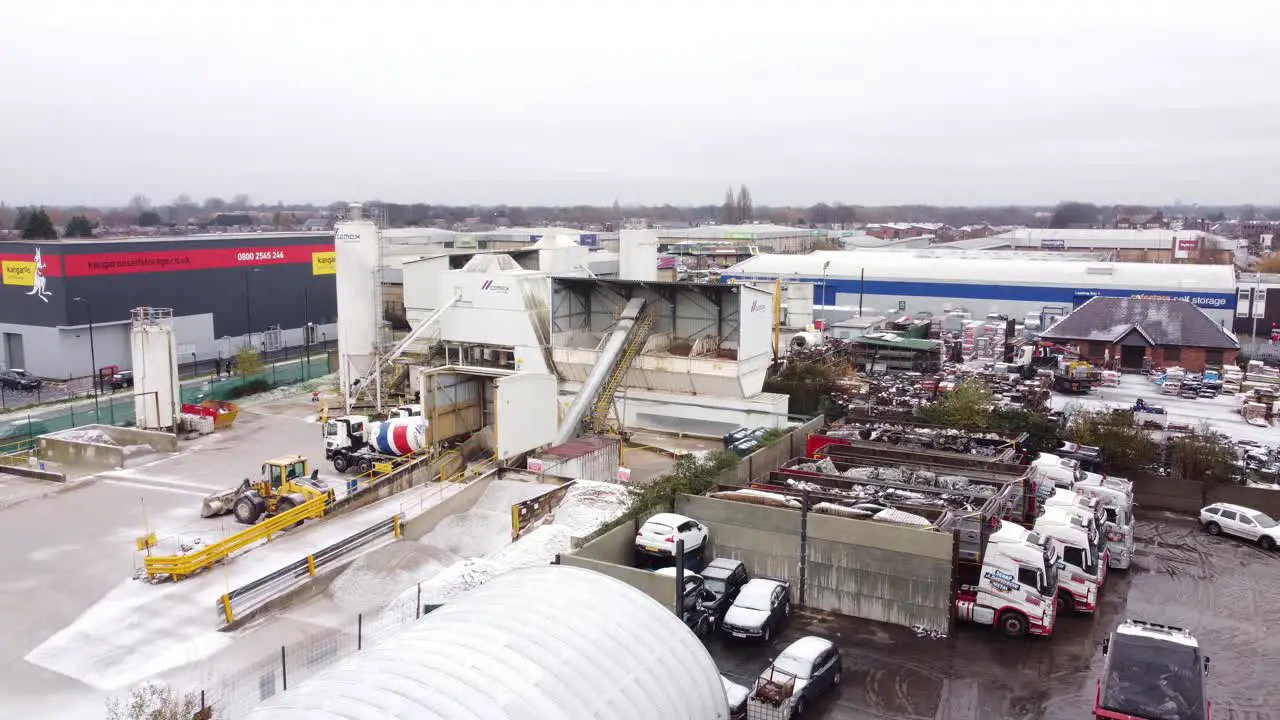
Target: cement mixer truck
[[355, 441]]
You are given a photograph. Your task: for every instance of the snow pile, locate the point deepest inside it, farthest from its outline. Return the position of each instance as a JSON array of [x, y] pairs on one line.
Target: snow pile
[[537, 548], [371, 578], [86, 435], [588, 505]]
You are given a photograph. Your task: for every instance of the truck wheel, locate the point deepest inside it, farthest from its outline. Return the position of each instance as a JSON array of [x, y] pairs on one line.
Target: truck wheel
[[364, 465], [341, 463], [1012, 624], [1062, 603], [247, 510], [1213, 528], [1267, 542]]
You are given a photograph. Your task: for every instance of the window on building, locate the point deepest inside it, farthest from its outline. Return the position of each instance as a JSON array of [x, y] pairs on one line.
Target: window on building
[[1172, 354], [1212, 357]]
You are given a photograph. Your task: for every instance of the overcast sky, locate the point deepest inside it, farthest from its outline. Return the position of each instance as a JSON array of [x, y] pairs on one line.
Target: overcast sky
[[866, 102]]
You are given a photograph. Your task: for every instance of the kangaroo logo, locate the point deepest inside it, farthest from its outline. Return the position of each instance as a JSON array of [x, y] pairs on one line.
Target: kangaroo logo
[[38, 281]]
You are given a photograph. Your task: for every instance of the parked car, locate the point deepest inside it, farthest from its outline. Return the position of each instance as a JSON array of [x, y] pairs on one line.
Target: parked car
[[800, 674], [122, 379], [724, 578], [1220, 518], [19, 379], [737, 696], [759, 609], [658, 535], [696, 603]]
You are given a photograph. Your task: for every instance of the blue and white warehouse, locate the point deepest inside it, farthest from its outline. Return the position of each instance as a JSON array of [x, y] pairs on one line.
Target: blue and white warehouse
[[889, 282]]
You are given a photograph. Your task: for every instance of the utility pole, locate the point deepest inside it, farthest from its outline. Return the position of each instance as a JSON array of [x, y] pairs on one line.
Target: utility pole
[[93, 357]]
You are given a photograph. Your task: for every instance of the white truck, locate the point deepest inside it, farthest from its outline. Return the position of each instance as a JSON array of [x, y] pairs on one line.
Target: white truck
[[1014, 586], [1083, 569], [1064, 472], [356, 441], [1116, 496]]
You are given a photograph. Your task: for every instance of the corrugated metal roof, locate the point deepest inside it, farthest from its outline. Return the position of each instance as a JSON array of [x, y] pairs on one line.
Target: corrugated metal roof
[[1162, 321], [579, 446], [975, 268], [546, 643], [1109, 238]]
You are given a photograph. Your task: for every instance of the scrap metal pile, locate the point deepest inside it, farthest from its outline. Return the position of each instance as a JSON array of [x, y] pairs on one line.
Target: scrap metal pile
[[921, 436], [899, 476], [909, 391]]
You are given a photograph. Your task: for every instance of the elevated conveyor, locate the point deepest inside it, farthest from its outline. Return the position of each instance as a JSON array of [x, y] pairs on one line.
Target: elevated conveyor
[[590, 408]]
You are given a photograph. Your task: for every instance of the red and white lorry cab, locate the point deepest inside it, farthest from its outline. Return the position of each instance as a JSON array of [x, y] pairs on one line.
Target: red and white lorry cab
[[1082, 563], [1152, 672], [1014, 584], [1064, 472], [1116, 496]]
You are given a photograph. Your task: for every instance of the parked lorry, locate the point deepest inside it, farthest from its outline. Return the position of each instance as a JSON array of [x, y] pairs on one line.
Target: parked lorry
[[355, 441], [1083, 568], [1116, 497], [1152, 672]]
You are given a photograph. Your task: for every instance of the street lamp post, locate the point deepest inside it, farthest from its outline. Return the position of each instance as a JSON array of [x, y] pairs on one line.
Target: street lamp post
[[93, 355], [306, 329], [825, 265]]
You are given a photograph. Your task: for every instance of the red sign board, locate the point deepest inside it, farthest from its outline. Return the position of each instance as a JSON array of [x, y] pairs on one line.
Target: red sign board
[[203, 259]]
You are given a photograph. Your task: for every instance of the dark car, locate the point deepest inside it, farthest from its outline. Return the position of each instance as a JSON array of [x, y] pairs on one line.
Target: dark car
[[122, 379], [758, 610], [724, 578], [1089, 457], [800, 674], [17, 379]]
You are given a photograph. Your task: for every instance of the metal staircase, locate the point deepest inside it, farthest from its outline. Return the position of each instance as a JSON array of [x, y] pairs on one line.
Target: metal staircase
[[597, 420]]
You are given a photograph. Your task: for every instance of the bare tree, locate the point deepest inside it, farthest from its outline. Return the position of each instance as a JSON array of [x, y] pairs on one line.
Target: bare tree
[[153, 701], [139, 203], [744, 205], [239, 202], [729, 210], [215, 204]]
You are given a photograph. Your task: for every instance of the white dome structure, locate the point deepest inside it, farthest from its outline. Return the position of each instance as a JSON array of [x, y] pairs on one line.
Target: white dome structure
[[540, 643]]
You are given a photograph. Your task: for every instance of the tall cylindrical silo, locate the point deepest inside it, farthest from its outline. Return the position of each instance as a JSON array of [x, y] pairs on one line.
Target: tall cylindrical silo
[[155, 368], [359, 312]]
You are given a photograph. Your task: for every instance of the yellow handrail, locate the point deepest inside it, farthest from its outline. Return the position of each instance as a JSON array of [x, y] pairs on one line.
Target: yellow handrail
[[179, 566]]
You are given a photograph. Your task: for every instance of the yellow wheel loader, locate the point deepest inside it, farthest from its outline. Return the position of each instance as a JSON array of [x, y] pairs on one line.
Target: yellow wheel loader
[[284, 485]]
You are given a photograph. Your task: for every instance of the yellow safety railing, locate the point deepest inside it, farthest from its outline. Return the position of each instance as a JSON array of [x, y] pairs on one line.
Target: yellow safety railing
[[474, 470], [180, 566]]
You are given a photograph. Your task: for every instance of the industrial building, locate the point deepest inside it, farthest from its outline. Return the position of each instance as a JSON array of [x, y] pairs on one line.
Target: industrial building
[[224, 290], [1018, 284], [768, 238], [1135, 245]]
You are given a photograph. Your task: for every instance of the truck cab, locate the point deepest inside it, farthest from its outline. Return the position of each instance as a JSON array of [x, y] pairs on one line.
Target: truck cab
[[405, 411], [1116, 498], [344, 436], [1064, 472], [1083, 567], [1014, 586], [1152, 672]]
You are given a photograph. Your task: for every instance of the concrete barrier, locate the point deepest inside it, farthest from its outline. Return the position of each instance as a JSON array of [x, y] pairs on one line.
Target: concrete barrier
[[73, 448], [612, 553], [771, 457], [459, 502], [1157, 493], [33, 473], [399, 480], [1268, 501], [853, 567]]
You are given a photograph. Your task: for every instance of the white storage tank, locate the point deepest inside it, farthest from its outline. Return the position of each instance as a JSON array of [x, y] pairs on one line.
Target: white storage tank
[[355, 245], [155, 368], [593, 457]]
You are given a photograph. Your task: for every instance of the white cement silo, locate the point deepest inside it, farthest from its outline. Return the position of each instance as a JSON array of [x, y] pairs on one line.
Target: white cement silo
[[155, 368], [359, 310]]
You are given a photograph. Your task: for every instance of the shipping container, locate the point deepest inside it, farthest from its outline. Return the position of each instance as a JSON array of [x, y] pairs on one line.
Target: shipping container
[[594, 457]]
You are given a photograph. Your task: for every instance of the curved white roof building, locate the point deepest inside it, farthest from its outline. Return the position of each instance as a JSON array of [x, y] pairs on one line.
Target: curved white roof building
[[938, 279], [540, 643]]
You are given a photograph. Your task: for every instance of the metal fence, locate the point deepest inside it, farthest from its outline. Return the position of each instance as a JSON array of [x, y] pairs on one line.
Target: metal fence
[[19, 433], [250, 596]]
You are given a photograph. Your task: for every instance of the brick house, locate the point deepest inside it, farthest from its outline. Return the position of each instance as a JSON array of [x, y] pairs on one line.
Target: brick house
[[1136, 332]]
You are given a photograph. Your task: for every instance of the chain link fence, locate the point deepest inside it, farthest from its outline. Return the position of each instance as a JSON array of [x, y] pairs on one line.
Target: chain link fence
[[19, 432], [234, 694]]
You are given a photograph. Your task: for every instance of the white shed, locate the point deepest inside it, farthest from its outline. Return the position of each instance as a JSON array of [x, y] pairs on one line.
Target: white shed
[[540, 643]]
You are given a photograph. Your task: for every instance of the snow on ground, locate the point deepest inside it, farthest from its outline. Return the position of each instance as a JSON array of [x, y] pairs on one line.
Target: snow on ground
[[587, 506], [1220, 413], [86, 435], [139, 630]]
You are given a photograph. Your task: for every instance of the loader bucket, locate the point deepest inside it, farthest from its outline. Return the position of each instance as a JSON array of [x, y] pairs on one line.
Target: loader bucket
[[218, 503]]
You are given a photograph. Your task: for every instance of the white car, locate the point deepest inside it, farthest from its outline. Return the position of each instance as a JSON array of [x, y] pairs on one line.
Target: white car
[[658, 535], [1220, 518]]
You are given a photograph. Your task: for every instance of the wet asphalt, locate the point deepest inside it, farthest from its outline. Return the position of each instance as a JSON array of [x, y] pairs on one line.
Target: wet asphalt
[[1225, 591]]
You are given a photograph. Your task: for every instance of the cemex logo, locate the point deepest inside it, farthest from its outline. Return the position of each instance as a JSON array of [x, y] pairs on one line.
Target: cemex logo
[[491, 286], [757, 306]]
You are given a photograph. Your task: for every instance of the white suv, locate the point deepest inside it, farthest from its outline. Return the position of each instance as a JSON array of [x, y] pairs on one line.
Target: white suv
[[659, 533], [1249, 524]]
